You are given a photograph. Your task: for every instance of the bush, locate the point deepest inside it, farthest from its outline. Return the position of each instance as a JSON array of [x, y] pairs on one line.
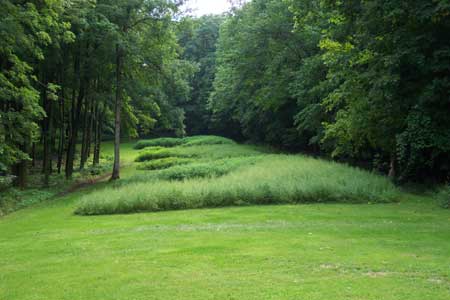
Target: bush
[[164, 163], [6, 182], [443, 196]]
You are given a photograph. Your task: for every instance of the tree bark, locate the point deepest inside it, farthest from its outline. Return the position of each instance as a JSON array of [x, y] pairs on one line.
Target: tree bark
[[392, 169], [61, 130], [118, 110], [97, 137]]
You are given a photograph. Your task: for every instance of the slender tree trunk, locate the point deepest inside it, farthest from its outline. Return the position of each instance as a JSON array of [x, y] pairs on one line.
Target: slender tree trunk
[[392, 169], [21, 171], [76, 115], [48, 128], [98, 137], [118, 110], [89, 134], [61, 133], [33, 155], [85, 133], [61, 121]]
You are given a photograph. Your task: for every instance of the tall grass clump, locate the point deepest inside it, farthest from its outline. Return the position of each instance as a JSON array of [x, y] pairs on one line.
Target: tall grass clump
[[160, 142], [207, 140], [164, 163], [272, 179], [187, 142], [157, 153], [192, 169], [203, 152]]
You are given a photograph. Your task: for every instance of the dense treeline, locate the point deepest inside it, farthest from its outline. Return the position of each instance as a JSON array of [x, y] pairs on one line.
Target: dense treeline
[[356, 80], [72, 71], [365, 82]]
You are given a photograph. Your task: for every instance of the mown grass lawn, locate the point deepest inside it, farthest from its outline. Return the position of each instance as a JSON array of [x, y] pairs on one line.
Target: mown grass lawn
[[317, 251]]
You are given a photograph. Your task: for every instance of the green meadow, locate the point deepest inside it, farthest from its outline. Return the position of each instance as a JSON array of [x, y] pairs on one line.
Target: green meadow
[[241, 223]]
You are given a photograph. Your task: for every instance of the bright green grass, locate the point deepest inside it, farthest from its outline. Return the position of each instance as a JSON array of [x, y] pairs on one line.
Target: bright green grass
[[235, 175], [315, 252]]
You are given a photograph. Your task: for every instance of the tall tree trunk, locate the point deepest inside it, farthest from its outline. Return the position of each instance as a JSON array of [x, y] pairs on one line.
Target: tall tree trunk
[[118, 110], [61, 132], [48, 128], [392, 169], [98, 137], [33, 155], [84, 141], [20, 170], [89, 134], [76, 113], [61, 121]]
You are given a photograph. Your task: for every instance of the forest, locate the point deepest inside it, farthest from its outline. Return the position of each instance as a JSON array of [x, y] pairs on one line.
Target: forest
[[136, 136]]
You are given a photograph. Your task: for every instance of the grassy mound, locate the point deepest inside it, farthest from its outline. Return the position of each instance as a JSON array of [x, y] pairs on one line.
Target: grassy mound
[[201, 152], [207, 140], [187, 142], [269, 179], [161, 142], [190, 169], [164, 163]]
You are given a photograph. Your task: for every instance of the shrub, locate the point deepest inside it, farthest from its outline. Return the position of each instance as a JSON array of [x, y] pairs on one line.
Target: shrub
[[443, 196]]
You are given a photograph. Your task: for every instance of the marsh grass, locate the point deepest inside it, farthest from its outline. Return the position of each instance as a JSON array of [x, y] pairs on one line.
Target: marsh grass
[[236, 175]]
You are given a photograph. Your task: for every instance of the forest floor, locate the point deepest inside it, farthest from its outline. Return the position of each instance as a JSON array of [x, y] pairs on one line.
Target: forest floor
[[316, 251]]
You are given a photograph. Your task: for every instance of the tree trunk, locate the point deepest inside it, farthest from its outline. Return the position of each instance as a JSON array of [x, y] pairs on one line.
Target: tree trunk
[[47, 136], [118, 110], [89, 134], [392, 169], [76, 115], [61, 133], [98, 137], [85, 133], [21, 171], [33, 155]]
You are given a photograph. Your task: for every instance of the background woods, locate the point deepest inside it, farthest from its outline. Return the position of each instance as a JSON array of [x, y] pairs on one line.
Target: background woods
[[364, 82]]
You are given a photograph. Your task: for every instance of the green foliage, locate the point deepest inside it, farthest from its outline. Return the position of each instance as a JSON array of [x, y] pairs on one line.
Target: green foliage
[[198, 38], [163, 163], [160, 142], [230, 174], [187, 142], [348, 79], [443, 197], [206, 140], [183, 169], [157, 153]]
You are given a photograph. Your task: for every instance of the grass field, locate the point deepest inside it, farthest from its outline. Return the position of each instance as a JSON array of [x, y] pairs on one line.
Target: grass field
[[317, 251], [207, 172]]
